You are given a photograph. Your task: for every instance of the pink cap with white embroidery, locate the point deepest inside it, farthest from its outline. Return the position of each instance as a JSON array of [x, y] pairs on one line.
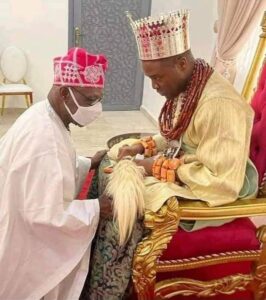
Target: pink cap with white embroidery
[[80, 68]]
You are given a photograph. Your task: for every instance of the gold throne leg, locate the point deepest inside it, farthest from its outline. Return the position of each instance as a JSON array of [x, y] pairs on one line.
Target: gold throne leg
[[162, 225], [260, 273]]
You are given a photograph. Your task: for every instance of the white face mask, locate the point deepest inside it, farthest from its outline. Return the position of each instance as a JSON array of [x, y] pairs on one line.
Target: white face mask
[[84, 114]]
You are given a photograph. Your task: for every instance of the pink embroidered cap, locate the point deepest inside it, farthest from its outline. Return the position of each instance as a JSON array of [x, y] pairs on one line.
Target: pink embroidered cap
[[80, 68]]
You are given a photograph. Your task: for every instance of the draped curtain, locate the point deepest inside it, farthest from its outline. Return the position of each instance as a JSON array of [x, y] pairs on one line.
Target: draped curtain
[[236, 20]]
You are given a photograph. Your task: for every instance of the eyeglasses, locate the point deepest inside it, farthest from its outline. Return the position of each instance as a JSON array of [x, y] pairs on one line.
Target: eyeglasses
[[91, 100]]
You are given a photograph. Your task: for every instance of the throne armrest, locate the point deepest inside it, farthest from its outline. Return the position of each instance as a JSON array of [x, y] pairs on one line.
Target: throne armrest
[[198, 210]]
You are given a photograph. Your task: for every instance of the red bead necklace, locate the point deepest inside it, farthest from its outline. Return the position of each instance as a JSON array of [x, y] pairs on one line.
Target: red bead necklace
[[200, 75]]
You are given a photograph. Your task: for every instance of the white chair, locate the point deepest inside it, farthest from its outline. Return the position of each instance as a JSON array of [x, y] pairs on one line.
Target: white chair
[[13, 64]]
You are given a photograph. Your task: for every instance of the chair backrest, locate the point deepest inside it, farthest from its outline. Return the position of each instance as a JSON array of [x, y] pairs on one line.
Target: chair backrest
[[258, 138], [13, 64]]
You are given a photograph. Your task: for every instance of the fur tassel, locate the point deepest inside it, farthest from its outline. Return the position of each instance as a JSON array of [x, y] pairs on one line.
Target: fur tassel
[[126, 187]]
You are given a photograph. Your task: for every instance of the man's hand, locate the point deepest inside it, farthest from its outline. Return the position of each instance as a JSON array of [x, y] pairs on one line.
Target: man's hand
[[130, 150], [147, 164], [106, 206], [97, 158]]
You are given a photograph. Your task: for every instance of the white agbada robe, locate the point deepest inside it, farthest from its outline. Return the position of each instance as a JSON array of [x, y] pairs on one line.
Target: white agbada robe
[[45, 235]]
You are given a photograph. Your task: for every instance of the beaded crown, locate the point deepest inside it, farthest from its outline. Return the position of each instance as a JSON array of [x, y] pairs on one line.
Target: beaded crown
[[162, 36]]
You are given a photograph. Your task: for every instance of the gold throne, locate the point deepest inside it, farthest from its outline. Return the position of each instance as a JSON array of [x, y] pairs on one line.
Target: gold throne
[[164, 224]]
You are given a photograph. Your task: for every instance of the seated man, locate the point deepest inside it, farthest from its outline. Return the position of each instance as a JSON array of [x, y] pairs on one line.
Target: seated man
[[205, 129], [45, 233]]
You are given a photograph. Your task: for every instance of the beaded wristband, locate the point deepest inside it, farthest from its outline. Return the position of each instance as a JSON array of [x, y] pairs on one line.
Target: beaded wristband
[[149, 146], [157, 166], [165, 169]]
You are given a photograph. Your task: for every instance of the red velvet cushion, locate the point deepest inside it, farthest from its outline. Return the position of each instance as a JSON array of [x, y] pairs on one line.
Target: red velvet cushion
[[258, 138], [239, 234]]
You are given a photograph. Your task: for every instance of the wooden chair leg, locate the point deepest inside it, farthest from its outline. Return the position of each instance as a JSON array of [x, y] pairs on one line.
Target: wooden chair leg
[[3, 104], [27, 101], [31, 101]]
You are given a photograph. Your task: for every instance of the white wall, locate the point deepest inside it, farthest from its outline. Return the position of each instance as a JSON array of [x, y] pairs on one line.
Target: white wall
[[40, 28]]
